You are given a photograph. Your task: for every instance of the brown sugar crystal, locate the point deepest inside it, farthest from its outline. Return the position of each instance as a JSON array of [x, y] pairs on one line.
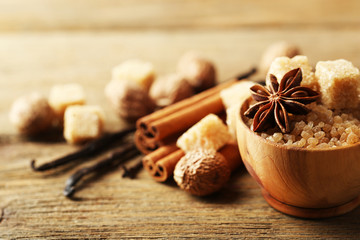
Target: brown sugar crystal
[[339, 83], [282, 65], [320, 128]]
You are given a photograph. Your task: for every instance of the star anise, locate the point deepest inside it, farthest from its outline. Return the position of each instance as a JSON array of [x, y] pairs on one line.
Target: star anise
[[278, 100]]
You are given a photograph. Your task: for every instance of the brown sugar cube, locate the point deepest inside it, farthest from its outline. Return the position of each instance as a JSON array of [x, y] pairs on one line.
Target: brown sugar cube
[[282, 65], [63, 96], [339, 83], [135, 70], [209, 133], [83, 123]]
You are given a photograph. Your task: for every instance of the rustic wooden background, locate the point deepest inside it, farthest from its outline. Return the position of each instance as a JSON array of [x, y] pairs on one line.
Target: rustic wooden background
[[58, 41]]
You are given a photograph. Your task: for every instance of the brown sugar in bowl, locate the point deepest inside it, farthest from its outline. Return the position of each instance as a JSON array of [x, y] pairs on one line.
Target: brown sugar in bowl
[[309, 183]]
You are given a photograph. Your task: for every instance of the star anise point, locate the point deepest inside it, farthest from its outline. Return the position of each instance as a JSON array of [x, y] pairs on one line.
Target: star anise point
[[275, 102]]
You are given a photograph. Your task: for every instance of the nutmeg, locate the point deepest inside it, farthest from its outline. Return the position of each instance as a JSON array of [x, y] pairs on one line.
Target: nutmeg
[[278, 49], [200, 72], [202, 172], [31, 114], [129, 99], [169, 89]]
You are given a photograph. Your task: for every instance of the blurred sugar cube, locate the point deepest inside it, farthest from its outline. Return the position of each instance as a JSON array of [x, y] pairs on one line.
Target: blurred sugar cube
[[135, 70], [83, 123], [63, 96]]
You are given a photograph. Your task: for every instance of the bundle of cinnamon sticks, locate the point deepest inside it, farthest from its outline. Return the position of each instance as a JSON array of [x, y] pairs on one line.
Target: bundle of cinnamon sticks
[[157, 133]]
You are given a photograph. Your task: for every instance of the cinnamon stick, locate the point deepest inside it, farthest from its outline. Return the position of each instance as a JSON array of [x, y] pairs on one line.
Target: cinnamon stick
[[150, 159], [154, 124], [144, 144], [147, 145], [161, 163], [165, 166], [185, 118]]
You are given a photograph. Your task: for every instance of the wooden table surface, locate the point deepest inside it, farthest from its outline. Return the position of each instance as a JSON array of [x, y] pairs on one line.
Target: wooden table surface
[[43, 43]]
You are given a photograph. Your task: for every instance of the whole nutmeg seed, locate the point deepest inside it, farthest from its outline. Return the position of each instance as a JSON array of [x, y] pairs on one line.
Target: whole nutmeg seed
[[31, 114], [202, 172], [200, 72], [278, 49], [129, 99], [169, 89]]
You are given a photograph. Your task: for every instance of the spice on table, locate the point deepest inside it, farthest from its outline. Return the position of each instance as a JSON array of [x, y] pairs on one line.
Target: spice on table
[[169, 89], [204, 171], [275, 104], [89, 150], [116, 158], [165, 166], [158, 132], [128, 90], [31, 114], [173, 120], [150, 159], [129, 100], [178, 117], [199, 71], [208, 133], [206, 102]]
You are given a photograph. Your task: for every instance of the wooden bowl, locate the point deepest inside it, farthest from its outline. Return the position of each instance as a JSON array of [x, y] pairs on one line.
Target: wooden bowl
[[309, 183]]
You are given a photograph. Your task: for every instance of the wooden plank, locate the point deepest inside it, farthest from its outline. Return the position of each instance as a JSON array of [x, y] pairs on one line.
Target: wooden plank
[[33, 207], [114, 14], [32, 204], [37, 61]]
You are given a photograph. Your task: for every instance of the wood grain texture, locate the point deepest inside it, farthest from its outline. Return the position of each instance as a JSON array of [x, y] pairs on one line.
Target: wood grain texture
[[47, 42], [34, 207], [37, 61], [70, 15]]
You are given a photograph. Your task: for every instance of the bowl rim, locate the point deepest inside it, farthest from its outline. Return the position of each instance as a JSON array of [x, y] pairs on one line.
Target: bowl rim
[[240, 117]]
